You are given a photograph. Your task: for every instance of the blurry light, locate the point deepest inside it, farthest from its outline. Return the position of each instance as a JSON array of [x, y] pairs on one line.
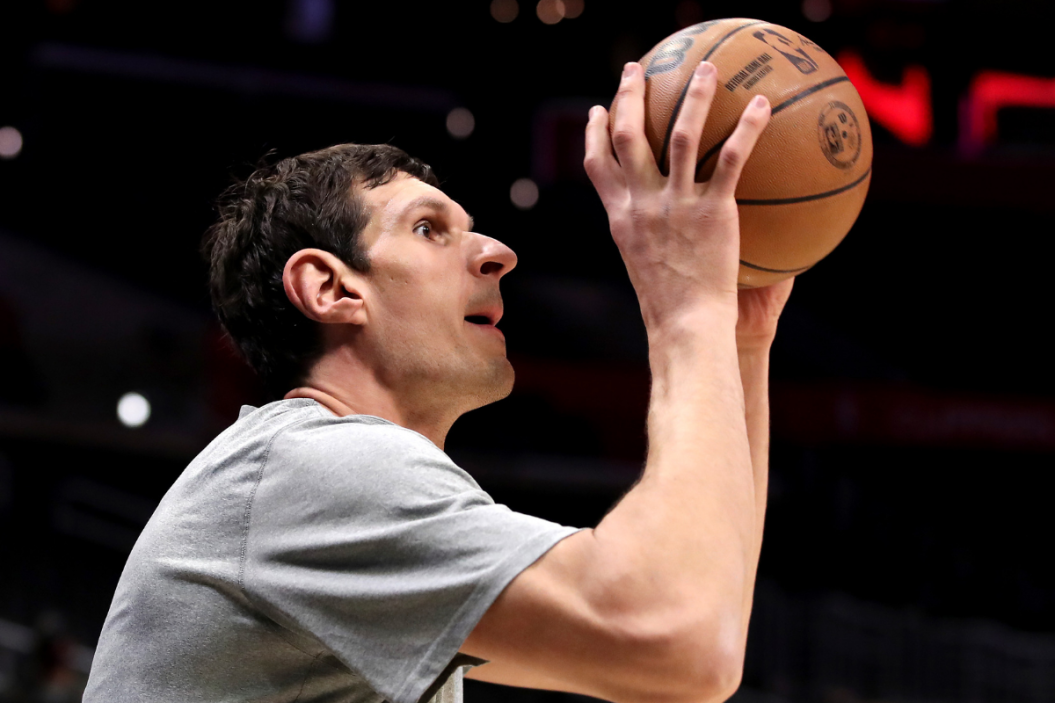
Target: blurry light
[[991, 91], [524, 193], [10, 142], [903, 108], [133, 410], [60, 7], [573, 8], [460, 123], [817, 10], [310, 21], [505, 11], [550, 11]]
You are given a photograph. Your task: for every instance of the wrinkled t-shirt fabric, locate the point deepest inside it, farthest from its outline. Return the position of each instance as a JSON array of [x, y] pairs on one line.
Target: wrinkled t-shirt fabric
[[307, 557]]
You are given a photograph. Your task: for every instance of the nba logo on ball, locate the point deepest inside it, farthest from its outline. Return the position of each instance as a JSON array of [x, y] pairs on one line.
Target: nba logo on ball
[[840, 135]]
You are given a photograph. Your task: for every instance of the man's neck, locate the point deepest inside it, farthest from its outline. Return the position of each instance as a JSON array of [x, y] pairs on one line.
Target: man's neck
[[356, 391]]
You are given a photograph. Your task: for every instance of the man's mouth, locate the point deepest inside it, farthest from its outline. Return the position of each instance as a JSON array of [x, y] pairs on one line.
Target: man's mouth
[[485, 314], [487, 320]]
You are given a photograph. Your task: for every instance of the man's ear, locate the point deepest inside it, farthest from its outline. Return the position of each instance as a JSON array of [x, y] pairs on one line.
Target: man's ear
[[324, 288]]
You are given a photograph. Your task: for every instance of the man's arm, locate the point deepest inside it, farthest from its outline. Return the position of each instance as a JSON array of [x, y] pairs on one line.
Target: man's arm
[[650, 605], [756, 328]]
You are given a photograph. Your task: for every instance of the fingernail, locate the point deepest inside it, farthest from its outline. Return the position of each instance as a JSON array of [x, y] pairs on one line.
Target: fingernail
[[705, 69], [628, 69], [593, 111], [760, 101]]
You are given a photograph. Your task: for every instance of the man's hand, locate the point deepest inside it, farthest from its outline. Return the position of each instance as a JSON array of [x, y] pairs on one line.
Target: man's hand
[[759, 311], [679, 239]]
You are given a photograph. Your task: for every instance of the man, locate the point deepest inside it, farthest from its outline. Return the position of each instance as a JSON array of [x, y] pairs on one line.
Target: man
[[324, 548]]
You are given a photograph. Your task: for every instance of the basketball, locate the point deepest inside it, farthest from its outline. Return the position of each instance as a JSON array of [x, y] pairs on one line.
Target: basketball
[[806, 180]]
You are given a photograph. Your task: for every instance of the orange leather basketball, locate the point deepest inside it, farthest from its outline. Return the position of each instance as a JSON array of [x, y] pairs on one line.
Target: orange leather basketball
[[804, 185]]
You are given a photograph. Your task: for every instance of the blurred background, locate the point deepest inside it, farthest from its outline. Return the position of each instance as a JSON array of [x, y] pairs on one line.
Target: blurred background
[[908, 546]]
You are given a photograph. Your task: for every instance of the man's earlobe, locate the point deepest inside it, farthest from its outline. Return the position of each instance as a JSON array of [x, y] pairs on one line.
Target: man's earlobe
[[323, 288]]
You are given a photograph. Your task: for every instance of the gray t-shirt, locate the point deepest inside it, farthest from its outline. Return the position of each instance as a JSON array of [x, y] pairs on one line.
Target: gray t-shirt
[[305, 557]]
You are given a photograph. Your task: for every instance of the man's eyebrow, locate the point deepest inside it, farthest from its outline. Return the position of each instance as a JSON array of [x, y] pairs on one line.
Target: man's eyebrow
[[436, 204]]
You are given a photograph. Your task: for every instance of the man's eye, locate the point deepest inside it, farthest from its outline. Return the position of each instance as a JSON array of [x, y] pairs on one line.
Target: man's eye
[[424, 229]]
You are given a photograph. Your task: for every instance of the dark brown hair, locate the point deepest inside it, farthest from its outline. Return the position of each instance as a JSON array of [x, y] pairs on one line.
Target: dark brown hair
[[302, 202]]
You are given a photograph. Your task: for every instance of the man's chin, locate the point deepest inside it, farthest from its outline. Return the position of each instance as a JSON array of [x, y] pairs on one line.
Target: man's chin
[[508, 379], [496, 383]]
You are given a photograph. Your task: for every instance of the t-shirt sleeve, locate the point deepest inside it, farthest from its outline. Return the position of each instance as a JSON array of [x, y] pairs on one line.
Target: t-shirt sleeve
[[368, 538]]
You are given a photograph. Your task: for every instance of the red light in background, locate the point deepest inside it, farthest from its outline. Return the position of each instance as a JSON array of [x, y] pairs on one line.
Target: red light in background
[[989, 92], [904, 109]]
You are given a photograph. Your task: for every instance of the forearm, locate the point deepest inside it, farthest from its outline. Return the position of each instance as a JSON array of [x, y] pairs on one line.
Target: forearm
[[652, 600], [754, 373], [689, 525]]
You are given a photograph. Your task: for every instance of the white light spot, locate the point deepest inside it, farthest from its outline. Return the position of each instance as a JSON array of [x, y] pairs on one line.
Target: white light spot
[[10, 142], [817, 10], [460, 123], [505, 11], [524, 193], [133, 410], [550, 11]]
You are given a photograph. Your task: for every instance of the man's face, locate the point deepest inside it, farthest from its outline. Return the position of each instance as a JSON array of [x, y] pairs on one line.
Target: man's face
[[432, 298]]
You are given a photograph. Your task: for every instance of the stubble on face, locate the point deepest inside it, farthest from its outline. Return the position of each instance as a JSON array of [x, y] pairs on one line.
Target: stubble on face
[[426, 367]]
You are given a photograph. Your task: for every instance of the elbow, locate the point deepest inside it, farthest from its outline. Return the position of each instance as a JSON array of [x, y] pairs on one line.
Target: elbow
[[722, 676], [690, 659], [725, 654], [713, 662]]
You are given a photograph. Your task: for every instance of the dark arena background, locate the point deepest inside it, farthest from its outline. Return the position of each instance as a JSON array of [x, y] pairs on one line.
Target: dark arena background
[[908, 552]]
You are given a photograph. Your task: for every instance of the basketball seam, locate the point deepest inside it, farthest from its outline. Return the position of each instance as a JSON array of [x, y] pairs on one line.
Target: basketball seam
[[809, 91], [763, 268], [793, 99], [685, 91], [807, 198]]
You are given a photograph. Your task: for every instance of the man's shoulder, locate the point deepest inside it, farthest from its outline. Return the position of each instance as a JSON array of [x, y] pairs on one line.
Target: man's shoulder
[[306, 426], [304, 443], [310, 431]]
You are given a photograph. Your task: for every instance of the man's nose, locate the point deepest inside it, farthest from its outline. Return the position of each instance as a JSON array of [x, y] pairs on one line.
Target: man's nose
[[493, 258]]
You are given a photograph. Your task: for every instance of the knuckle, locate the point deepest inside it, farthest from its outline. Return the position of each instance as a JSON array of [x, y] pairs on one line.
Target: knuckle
[[593, 164], [645, 214], [622, 136], [731, 155], [681, 139], [699, 89], [752, 120]]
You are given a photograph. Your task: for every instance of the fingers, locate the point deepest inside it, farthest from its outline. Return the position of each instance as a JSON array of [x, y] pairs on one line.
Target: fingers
[[601, 166], [738, 147], [685, 137], [628, 132]]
